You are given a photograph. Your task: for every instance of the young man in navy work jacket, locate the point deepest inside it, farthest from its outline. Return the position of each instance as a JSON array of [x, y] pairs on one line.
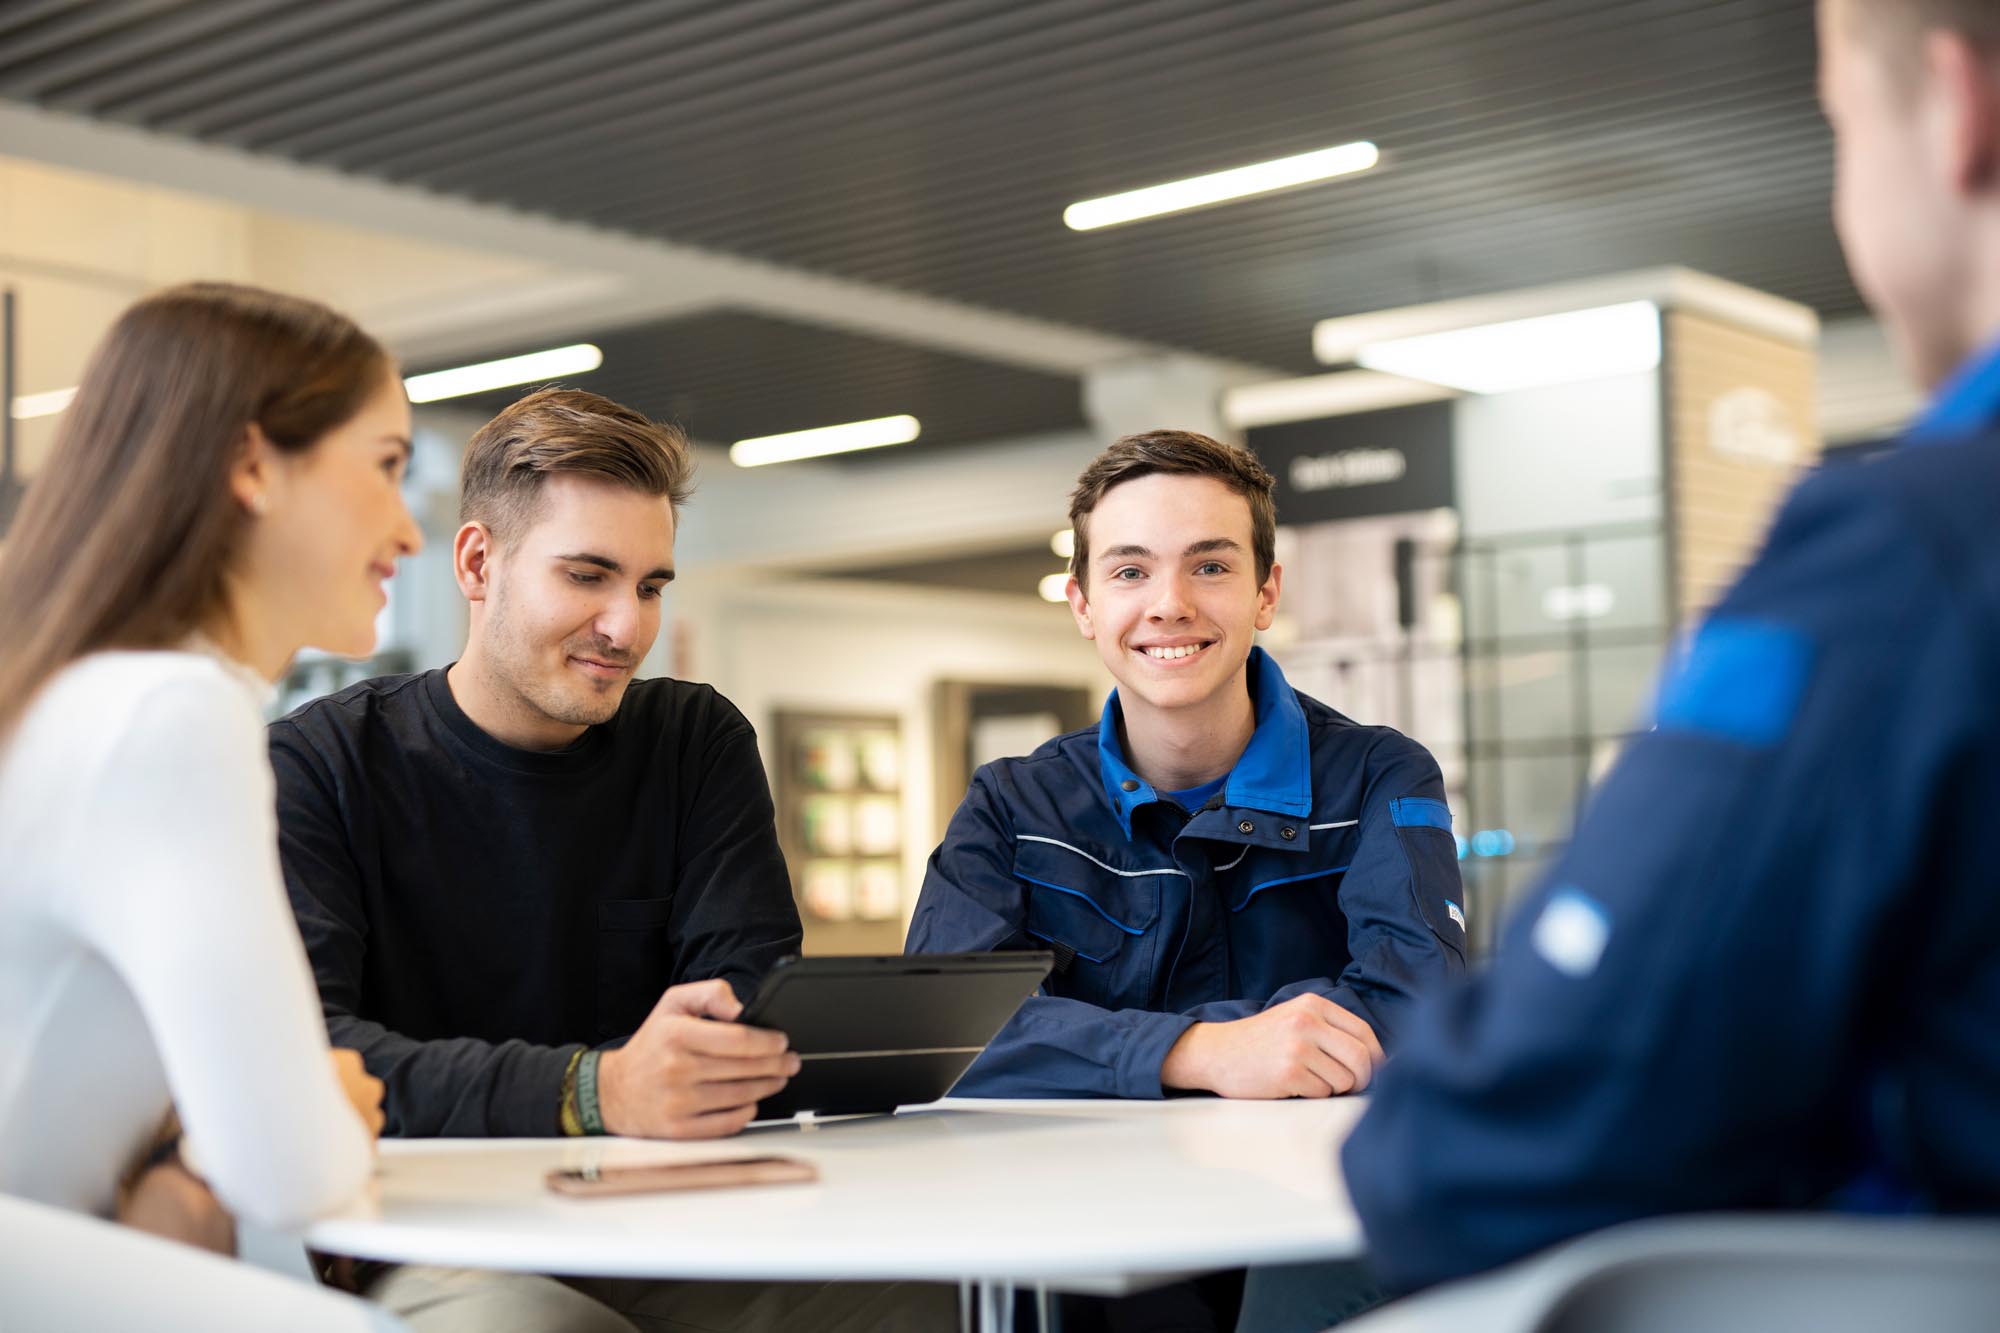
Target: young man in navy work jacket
[[1767, 972], [1244, 890]]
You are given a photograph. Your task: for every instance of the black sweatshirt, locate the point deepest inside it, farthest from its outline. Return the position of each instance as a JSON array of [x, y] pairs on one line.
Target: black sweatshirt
[[476, 913]]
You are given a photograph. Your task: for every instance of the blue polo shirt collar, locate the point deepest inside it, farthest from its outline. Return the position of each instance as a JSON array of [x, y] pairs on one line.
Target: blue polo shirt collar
[[1966, 404], [1273, 774]]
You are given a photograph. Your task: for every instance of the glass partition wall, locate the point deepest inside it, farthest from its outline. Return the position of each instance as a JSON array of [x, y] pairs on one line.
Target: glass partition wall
[[1522, 662], [1563, 635]]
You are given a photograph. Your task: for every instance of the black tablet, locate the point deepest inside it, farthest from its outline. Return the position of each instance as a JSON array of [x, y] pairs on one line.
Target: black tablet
[[877, 1032]]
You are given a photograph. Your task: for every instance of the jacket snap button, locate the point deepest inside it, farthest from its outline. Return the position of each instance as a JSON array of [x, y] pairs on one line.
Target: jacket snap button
[[1129, 785], [1246, 827], [1288, 833]]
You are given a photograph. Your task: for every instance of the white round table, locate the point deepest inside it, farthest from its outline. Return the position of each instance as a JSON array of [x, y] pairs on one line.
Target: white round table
[[1085, 1196]]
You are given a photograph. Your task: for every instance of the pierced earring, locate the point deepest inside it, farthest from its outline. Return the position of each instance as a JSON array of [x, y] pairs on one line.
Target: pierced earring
[[259, 505]]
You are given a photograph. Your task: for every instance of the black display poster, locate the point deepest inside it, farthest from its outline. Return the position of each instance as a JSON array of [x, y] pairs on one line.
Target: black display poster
[[1356, 466]]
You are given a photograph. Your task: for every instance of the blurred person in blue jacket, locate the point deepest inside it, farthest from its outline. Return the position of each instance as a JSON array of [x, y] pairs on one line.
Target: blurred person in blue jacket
[[1766, 974], [1244, 890]]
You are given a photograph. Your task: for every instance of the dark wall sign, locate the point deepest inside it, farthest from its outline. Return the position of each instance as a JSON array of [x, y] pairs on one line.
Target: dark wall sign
[[1355, 466]]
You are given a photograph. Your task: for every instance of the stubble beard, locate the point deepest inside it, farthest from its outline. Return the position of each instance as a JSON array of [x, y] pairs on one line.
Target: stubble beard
[[512, 657]]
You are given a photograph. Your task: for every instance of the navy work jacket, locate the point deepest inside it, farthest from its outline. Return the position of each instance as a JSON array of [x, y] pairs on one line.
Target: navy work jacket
[[1325, 864], [1768, 965]]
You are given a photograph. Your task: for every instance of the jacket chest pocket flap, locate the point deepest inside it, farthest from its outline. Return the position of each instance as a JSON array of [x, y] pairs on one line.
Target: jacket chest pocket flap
[[1076, 901]]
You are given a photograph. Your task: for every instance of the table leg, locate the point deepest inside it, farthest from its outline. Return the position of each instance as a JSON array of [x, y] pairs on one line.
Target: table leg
[[996, 1306]]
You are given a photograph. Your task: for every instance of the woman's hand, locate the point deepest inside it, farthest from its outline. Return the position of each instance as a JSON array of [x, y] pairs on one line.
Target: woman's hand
[[364, 1090], [169, 1201]]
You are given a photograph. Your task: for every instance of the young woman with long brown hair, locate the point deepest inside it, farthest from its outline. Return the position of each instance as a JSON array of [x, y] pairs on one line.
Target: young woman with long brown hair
[[225, 490]]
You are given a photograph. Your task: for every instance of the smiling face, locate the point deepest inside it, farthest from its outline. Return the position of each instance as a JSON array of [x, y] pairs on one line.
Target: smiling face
[[1173, 600], [332, 524], [570, 606]]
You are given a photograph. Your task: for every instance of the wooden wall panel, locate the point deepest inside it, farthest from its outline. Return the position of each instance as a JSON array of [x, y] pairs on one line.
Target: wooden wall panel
[[1740, 428]]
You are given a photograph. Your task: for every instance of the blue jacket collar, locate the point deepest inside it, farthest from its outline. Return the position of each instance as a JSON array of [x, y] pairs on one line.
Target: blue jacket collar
[[1968, 403], [1274, 772]]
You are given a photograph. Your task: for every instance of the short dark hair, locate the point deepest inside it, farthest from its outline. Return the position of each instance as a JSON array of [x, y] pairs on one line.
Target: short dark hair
[[1180, 453], [568, 431]]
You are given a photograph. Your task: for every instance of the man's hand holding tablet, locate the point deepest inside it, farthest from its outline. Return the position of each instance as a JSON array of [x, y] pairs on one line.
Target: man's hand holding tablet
[[691, 1071]]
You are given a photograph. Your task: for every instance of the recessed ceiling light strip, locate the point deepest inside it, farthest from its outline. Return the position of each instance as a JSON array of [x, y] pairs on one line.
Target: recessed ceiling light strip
[[1221, 186], [576, 359], [822, 440]]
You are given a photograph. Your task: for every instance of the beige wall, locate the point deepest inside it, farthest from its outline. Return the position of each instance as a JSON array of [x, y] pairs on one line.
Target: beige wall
[[397, 288], [77, 249]]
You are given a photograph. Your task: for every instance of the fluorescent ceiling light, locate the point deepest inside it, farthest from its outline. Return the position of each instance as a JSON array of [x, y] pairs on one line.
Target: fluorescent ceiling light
[[1221, 186], [821, 440], [576, 359], [1527, 353], [1064, 543], [31, 405], [1337, 341], [1278, 402], [1054, 587]]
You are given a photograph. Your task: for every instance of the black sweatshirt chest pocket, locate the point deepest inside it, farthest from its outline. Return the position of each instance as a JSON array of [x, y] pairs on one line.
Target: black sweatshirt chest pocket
[[635, 962]]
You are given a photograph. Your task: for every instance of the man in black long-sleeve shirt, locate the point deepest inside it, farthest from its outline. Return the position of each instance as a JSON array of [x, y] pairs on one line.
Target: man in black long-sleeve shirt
[[477, 913], [535, 891]]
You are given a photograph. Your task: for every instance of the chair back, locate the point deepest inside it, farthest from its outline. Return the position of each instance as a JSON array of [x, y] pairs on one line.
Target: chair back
[[1730, 1273], [60, 1269], [1828, 1274]]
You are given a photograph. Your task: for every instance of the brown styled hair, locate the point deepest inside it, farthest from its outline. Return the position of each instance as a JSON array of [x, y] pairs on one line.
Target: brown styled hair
[[124, 537], [1182, 453], [572, 431]]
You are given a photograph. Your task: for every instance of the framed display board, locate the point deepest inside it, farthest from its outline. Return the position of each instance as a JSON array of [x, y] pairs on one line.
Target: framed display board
[[839, 795], [977, 721]]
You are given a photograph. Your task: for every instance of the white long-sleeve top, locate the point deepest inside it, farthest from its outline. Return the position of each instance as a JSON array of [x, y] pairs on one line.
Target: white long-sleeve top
[[147, 950]]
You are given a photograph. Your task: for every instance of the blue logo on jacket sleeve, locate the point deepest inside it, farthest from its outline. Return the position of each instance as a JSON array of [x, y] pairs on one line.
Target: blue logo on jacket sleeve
[[1572, 932], [1739, 680]]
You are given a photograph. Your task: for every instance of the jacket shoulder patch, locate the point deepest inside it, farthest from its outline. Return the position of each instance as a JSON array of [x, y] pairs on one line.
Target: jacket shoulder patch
[[1738, 680], [1419, 812]]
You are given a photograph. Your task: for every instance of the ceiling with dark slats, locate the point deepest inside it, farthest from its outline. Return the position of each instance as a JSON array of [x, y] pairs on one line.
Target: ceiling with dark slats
[[727, 375], [932, 147], [1015, 570]]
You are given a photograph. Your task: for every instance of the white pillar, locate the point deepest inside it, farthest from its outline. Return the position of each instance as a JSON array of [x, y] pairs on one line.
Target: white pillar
[[1157, 393]]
